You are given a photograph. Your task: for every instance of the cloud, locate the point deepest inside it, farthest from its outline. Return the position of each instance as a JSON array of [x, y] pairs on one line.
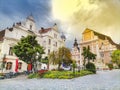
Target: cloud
[[100, 15], [18, 10]]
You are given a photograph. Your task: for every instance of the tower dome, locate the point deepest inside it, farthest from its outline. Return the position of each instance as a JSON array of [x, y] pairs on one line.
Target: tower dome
[[75, 43], [30, 17], [63, 37]]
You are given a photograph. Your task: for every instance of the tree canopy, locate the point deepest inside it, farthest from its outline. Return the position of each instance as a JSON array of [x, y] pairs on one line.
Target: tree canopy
[[28, 49], [87, 54], [116, 57], [62, 55]]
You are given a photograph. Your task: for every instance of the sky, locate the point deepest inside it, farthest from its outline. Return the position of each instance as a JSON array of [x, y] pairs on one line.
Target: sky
[[71, 16]]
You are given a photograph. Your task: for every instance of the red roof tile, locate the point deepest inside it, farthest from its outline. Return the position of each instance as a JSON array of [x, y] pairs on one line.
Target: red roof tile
[[44, 30], [2, 34]]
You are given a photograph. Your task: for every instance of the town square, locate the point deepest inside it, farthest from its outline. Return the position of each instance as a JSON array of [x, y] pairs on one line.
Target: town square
[[59, 45]]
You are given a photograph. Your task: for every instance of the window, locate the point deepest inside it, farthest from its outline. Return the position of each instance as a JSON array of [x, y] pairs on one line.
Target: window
[[55, 35], [49, 42], [30, 27], [19, 65], [102, 54], [48, 51], [9, 65], [110, 54], [56, 44], [10, 51], [22, 36]]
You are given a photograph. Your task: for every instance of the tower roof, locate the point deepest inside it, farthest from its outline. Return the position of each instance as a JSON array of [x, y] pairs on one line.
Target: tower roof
[[55, 27], [103, 37], [30, 17], [2, 34], [75, 43], [44, 30], [63, 36]]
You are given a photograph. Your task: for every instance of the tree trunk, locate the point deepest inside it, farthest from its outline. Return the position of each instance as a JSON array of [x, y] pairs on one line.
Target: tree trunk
[[74, 71], [59, 66], [84, 63]]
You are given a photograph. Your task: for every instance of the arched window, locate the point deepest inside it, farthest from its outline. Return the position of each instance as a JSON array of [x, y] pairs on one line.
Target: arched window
[[49, 42], [48, 51], [9, 65], [30, 27], [10, 51], [19, 65]]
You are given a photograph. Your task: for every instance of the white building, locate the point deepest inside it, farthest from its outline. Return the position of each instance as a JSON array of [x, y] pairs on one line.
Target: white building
[[48, 38], [51, 39], [76, 56]]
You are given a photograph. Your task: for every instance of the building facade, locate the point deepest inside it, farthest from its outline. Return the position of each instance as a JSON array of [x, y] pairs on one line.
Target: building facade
[[99, 44], [48, 38], [76, 53], [51, 39]]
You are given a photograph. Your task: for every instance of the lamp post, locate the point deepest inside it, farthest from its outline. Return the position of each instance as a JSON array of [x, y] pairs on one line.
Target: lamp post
[[3, 62], [36, 62], [78, 65]]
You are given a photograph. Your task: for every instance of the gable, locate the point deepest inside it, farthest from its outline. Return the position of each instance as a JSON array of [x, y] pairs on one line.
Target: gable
[[87, 34], [86, 31], [2, 34]]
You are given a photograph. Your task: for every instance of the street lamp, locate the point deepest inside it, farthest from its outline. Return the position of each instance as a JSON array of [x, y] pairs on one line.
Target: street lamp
[[36, 61], [3, 62]]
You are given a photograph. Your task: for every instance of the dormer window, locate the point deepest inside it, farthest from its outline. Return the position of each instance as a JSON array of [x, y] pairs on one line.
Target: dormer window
[[30, 27], [10, 51], [49, 42], [55, 35]]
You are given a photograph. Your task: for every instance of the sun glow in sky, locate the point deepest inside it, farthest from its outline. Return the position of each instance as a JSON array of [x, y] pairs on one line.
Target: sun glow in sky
[[100, 15], [63, 9]]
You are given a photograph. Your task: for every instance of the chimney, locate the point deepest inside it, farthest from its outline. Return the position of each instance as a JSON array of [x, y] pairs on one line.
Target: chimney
[[42, 28]]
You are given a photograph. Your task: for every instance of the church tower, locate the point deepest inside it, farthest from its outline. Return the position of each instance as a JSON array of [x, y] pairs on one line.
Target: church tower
[[30, 23], [75, 43]]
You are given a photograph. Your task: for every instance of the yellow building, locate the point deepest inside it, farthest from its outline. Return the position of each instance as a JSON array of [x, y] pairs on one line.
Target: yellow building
[[99, 44]]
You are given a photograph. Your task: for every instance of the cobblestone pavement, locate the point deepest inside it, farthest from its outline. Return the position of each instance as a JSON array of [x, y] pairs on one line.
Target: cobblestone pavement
[[103, 80]]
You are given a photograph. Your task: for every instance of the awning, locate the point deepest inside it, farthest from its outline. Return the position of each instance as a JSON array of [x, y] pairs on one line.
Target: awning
[[16, 67]]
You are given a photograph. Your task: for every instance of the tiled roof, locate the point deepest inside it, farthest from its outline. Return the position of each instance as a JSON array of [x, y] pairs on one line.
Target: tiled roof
[[2, 34], [103, 37], [44, 30]]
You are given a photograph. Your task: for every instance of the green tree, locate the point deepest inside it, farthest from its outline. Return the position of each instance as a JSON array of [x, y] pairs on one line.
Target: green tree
[[45, 60], [53, 58], [85, 55], [88, 55], [91, 67], [74, 66], [28, 50], [63, 55], [116, 57]]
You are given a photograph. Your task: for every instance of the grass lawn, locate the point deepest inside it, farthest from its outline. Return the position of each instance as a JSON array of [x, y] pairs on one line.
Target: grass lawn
[[60, 74]]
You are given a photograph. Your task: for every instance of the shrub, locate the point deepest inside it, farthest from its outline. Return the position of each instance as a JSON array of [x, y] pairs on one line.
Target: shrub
[[65, 74], [91, 67], [34, 75], [60, 74], [110, 65], [65, 77]]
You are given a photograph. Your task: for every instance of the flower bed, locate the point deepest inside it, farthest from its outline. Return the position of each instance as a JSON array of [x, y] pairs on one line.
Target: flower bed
[[60, 74]]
